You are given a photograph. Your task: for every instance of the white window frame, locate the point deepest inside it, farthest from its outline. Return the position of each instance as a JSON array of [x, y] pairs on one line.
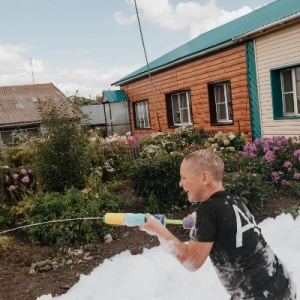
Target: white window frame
[[294, 92], [180, 109], [142, 114], [225, 103]]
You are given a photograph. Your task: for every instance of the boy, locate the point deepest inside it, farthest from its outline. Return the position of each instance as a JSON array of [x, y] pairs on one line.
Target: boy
[[226, 232]]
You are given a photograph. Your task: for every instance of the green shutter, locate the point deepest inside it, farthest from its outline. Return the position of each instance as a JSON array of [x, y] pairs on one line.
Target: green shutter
[[253, 92], [276, 94]]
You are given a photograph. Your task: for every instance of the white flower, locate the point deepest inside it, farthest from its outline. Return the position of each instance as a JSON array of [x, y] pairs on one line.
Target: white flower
[[231, 136], [226, 142], [206, 144]]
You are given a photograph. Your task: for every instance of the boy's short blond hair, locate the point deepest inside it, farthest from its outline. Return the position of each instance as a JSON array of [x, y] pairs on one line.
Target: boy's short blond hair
[[206, 160]]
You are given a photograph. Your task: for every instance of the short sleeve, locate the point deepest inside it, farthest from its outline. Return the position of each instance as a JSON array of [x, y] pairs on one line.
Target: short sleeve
[[206, 227]]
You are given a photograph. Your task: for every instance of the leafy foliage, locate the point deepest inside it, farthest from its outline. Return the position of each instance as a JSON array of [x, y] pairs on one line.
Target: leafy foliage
[[74, 204], [156, 181], [81, 174], [19, 156], [61, 159], [251, 188]]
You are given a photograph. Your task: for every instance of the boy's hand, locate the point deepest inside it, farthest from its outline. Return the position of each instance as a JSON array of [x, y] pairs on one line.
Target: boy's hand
[[189, 221], [153, 226]]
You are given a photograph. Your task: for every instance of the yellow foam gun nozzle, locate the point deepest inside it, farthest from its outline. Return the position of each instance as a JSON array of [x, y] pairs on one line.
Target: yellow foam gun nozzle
[[131, 219]]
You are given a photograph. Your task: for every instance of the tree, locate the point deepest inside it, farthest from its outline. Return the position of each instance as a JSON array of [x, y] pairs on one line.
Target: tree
[[61, 159]]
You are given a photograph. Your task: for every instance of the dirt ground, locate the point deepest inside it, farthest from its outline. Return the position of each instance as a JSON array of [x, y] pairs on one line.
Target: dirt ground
[[16, 283]]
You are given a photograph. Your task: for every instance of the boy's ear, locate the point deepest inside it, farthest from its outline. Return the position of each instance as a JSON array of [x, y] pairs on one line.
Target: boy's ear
[[206, 176]]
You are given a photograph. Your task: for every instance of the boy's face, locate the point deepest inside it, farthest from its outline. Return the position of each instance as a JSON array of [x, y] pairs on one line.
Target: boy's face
[[193, 184]]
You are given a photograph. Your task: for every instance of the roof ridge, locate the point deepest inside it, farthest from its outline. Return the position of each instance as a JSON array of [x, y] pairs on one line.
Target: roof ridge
[[22, 85]]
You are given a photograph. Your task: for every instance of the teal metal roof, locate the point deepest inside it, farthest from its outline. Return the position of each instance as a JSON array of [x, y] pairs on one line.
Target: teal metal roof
[[221, 36], [115, 96]]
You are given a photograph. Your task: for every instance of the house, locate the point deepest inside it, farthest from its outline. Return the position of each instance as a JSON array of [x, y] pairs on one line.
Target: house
[[116, 112], [220, 81], [20, 107], [278, 74]]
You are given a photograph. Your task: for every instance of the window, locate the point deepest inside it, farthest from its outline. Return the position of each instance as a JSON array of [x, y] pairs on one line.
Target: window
[[220, 103], [141, 114], [290, 85], [179, 109], [285, 84]]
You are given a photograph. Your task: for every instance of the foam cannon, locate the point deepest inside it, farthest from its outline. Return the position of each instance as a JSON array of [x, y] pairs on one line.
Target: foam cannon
[[137, 219]]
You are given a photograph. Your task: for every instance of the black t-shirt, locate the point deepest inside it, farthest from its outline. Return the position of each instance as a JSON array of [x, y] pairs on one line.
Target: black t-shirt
[[245, 264]]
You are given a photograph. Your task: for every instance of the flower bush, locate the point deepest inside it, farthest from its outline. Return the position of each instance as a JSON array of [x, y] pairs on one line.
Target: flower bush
[[21, 183], [283, 155], [118, 152], [229, 142]]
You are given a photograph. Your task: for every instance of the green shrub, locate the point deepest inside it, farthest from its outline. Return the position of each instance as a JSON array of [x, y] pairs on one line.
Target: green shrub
[[19, 156], [74, 204], [61, 159], [251, 188], [156, 181]]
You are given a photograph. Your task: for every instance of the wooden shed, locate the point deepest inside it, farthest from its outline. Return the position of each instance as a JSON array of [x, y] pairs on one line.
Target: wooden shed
[[209, 82]]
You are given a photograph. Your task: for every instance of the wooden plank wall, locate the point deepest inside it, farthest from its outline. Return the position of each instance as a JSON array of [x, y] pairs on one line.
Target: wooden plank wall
[[276, 50], [228, 64]]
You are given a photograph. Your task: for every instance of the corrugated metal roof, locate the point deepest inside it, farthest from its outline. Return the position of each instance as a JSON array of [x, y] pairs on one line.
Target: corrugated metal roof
[[93, 114], [263, 16], [115, 96], [19, 104]]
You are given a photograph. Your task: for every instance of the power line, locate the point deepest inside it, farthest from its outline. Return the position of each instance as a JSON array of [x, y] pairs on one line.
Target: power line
[[149, 73]]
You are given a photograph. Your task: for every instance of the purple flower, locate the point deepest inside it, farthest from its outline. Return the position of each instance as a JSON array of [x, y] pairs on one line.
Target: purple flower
[[288, 165], [15, 176], [12, 188], [276, 176], [23, 171], [296, 176], [297, 154], [249, 150], [25, 179], [269, 156]]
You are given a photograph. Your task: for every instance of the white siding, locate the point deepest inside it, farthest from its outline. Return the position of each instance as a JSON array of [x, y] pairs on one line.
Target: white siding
[[277, 49]]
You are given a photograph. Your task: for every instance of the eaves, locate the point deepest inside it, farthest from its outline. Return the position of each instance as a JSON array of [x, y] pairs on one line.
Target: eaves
[[178, 62]]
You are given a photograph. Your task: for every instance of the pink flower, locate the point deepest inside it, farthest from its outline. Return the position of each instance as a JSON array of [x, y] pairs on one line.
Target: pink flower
[[25, 179], [15, 176], [30, 171], [24, 171], [296, 176], [288, 165], [12, 188]]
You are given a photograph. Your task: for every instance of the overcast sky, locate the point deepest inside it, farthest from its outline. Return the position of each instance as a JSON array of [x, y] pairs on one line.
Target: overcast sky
[[86, 45]]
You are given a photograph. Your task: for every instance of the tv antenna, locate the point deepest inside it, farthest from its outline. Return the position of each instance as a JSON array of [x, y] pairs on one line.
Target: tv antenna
[[31, 70]]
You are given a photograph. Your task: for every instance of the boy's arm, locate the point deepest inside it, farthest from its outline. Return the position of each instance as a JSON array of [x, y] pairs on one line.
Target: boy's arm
[[191, 255]]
